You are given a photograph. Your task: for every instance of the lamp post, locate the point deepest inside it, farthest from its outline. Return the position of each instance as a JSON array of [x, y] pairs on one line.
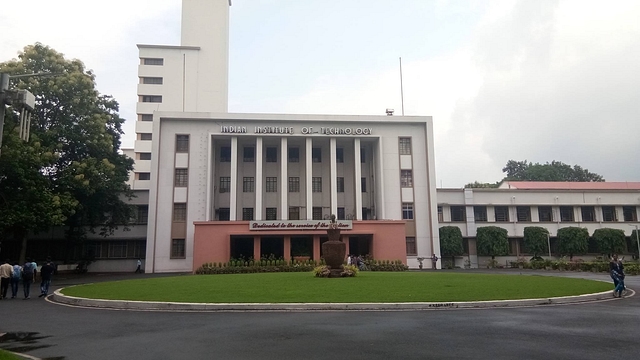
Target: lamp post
[[549, 243]]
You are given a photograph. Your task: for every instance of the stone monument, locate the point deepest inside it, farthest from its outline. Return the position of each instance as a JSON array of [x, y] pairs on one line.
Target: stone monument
[[334, 250]]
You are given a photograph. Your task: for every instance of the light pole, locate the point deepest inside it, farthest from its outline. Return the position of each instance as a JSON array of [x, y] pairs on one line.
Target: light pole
[[549, 243]]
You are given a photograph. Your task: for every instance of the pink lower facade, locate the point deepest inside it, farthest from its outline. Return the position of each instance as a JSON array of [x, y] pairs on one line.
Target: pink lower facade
[[218, 241]]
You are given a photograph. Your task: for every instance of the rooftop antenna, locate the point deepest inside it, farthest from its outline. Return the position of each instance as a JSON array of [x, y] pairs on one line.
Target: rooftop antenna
[[401, 90]]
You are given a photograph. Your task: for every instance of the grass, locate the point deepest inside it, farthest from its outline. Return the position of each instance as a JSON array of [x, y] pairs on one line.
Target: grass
[[6, 355], [367, 287]]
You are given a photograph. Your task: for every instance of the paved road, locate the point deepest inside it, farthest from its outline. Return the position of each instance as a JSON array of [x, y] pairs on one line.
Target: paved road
[[587, 331]]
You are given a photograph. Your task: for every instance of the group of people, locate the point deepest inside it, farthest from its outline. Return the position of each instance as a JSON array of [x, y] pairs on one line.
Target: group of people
[[27, 274], [616, 270], [357, 261]]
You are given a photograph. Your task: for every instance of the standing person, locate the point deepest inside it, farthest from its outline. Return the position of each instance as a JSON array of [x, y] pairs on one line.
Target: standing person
[[6, 270], [138, 269], [349, 259], [616, 270], [28, 274], [35, 270], [15, 279], [45, 276]]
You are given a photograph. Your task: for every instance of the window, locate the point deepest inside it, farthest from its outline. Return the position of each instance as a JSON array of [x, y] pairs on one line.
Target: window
[[272, 184], [152, 61], [294, 213], [363, 157], [144, 176], [182, 143], [180, 212], [340, 213], [117, 249], [294, 154], [151, 98], [181, 177], [94, 249], [317, 213], [316, 155], [524, 213], [145, 156], [146, 136], [248, 184], [225, 154], [249, 154], [340, 185], [480, 213], [316, 184], [146, 117], [502, 213], [566, 213], [629, 213], [363, 184], [411, 245], [440, 214], [272, 213], [224, 214], [340, 155], [247, 213], [272, 154], [152, 80], [407, 211], [405, 146], [143, 214], [294, 184], [545, 213], [365, 213], [177, 249], [588, 213], [225, 184], [609, 213], [406, 178], [458, 213]]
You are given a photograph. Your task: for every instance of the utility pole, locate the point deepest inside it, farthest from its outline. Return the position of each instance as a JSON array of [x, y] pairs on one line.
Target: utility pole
[[4, 88], [24, 99]]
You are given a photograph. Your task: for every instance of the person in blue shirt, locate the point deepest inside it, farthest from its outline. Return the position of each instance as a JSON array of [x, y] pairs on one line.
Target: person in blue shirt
[[616, 270]]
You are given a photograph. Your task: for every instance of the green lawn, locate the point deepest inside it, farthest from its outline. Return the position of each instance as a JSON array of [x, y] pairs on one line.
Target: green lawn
[[366, 287], [6, 355]]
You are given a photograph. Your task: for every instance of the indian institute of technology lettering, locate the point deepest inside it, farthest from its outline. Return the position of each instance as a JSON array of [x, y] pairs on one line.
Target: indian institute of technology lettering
[[290, 130]]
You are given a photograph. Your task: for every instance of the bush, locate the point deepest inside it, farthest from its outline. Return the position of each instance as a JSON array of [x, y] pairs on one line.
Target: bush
[[322, 271], [349, 271]]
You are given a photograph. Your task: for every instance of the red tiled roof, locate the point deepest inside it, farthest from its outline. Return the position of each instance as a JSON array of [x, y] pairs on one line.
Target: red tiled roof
[[566, 185]]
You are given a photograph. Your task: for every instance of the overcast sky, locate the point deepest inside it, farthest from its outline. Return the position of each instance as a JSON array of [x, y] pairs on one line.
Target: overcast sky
[[536, 80]]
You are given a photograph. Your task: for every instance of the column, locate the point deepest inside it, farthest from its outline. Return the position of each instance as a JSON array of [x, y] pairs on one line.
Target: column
[[258, 180], [333, 174], [308, 162], [287, 248], [256, 248], [234, 180], [357, 178], [284, 180]]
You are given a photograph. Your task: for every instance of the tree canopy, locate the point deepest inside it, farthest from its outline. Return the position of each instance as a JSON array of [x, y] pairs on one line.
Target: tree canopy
[[450, 241], [492, 241], [573, 240], [610, 241], [535, 240]]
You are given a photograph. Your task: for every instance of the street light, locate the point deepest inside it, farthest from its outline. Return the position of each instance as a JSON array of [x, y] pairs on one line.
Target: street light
[[549, 243]]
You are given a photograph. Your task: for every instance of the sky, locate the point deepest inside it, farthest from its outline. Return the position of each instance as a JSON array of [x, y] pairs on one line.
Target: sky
[[535, 80]]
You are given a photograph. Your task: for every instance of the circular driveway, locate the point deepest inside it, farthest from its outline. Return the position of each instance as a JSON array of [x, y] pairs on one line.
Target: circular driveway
[[581, 331]]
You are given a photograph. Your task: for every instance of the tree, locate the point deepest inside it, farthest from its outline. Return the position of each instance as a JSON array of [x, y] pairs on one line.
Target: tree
[[554, 171], [451, 242], [573, 241], [634, 242], [479, 185], [535, 240], [610, 241], [492, 241], [81, 129]]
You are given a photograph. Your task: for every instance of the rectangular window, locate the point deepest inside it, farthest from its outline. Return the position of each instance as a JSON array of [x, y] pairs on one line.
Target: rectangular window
[[294, 213], [146, 117], [405, 146], [629, 213], [294, 154], [272, 184], [225, 184], [247, 213], [143, 214], [225, 154], [566, 213], [440, 214], [458, 213], [363, 156], [181, 178], [316, 184], [316, 155], [365, 213], [609, 213], [179, 212], [144, 176], [545, 213], [340, 185], [146, 136], [524, 213], [224, 214], [406, 178], [152, 80], [502, 213], [411, 246], [272, 154], [145, 156], [182, 143], [272, 213], [177, 248], [480, 213], [151, 98], [341, 214], [153, 61], [339, 155], [117, 249], [317, 213], [294, 184], [588, 213], [363, 184], [248, 184], [249, 154], [407, 211]]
